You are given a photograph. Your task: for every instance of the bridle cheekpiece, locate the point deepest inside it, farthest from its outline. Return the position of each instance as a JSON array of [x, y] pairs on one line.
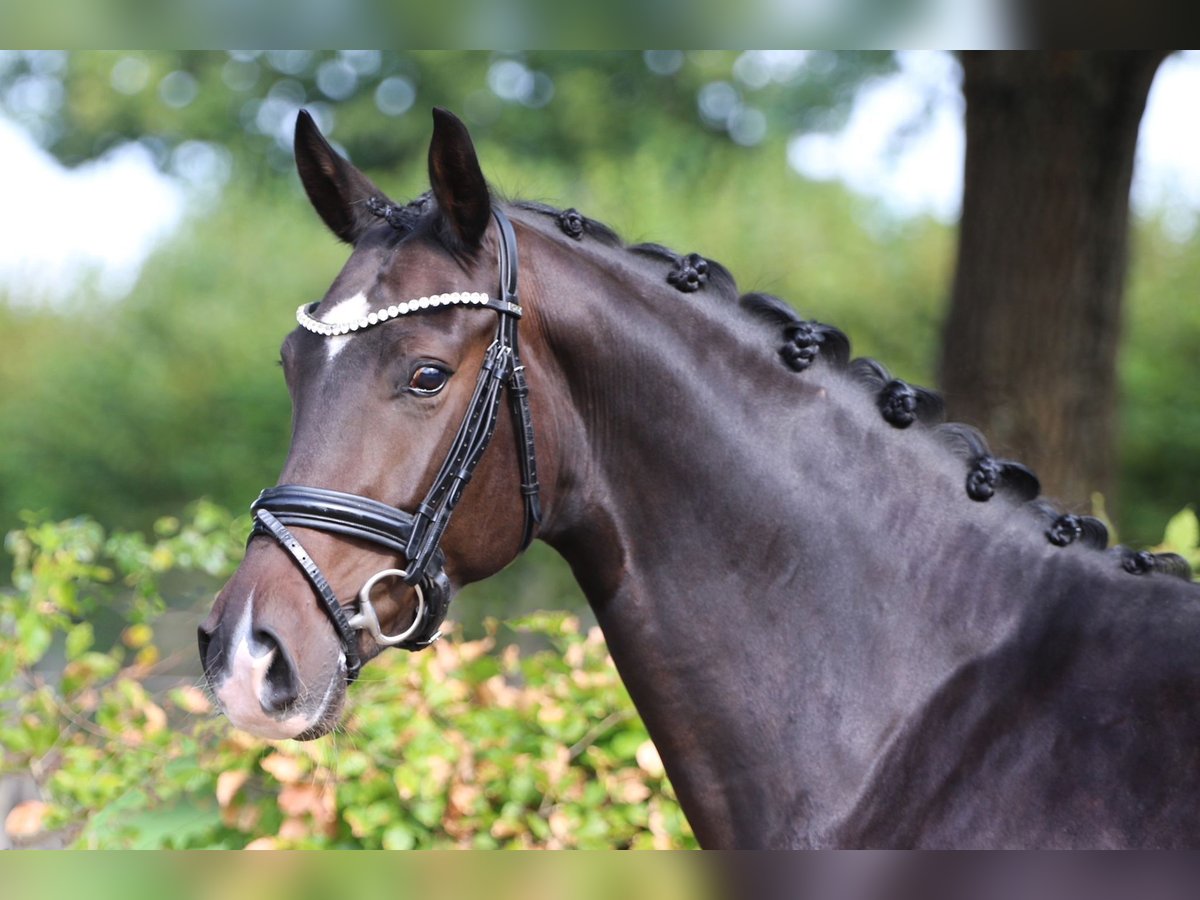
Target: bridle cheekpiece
[[416, 535]]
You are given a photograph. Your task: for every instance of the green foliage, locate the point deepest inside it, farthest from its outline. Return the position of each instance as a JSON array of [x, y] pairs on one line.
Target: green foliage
[[126, 410], [600, 102], [475, 743], [1159, 426], [470, 744], [1182, 536], [176, 387], [64, 572]]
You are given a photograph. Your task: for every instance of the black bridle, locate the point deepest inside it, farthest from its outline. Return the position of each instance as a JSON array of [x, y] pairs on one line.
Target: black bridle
[[417, 535]]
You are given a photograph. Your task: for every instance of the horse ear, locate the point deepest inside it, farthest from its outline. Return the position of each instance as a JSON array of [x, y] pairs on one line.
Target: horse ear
[[338, 191], [457, 181]]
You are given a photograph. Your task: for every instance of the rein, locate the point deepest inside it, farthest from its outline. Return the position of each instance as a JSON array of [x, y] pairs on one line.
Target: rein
[[416, 535]]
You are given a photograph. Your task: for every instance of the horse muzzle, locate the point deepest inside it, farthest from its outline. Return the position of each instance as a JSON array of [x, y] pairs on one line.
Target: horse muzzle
[[354, 516]]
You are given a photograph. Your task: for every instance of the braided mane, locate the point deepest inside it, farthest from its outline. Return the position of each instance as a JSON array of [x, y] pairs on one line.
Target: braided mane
[[804, 343]]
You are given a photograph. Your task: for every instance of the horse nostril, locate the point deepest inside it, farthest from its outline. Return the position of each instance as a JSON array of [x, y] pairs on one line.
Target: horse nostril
[[281, 687], [204, 638]]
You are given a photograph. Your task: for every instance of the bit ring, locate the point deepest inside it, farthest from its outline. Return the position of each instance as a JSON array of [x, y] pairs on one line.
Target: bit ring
[[367, 620]]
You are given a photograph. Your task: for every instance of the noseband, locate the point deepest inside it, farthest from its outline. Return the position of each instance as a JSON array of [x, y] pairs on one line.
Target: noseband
[[416, 535]]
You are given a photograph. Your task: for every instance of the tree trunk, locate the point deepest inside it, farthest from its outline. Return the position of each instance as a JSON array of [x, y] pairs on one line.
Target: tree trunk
[[1030, 343]]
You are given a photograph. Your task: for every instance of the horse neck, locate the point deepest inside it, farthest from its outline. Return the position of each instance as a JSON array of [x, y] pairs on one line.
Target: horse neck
[[775, 569]]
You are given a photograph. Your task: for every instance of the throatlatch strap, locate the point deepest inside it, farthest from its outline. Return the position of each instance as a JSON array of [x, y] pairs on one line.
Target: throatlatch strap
[[501, 368], [329, 601], [518, 388], [518, 397]]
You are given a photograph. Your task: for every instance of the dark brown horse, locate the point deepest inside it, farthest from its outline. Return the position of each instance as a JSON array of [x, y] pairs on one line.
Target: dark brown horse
[[843, 623]]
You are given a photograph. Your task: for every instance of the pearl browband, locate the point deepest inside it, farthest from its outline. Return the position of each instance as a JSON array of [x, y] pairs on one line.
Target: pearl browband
[[471, 298]]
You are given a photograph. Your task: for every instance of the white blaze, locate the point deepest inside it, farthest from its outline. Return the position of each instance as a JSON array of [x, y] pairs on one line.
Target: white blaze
[[352, 309]]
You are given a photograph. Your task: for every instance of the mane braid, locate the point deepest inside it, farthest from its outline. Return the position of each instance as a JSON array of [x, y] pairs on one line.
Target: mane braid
[[690, 271], [803, 340], [713, 277], [900, 404], [1064, 529], [986, 474], [591, 228]]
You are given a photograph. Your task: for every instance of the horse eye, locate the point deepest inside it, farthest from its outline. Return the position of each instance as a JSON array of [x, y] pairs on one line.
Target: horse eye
[[428, 380]]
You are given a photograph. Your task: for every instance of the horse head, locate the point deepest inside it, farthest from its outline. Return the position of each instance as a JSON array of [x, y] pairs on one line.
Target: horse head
[[396, 378]]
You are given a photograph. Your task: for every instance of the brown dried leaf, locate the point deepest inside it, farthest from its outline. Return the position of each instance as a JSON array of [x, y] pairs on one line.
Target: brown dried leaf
[[446, 660], [297, 799], [510, 658], [228, 784], [241, 740], [648, 759], [630, 789], [26, 819], [192, 700], [293, 829], [473, 650], [463, 798], [439, 772], [243, 817], [557, 766], [318, 801], [574, 656], [156, 719], [496, 691], [560, 826], [502, 828], [285, 769]]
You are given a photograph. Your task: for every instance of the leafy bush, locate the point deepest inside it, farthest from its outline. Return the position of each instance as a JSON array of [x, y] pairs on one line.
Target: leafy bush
[[470, 744], [1182, 536]]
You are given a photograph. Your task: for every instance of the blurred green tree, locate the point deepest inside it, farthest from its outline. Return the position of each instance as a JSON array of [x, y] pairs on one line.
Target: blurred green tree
[[170, 393], [128, 410], [82, 104]]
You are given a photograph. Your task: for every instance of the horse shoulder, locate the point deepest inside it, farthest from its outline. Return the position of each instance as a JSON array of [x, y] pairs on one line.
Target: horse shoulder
[[1081, 730]]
